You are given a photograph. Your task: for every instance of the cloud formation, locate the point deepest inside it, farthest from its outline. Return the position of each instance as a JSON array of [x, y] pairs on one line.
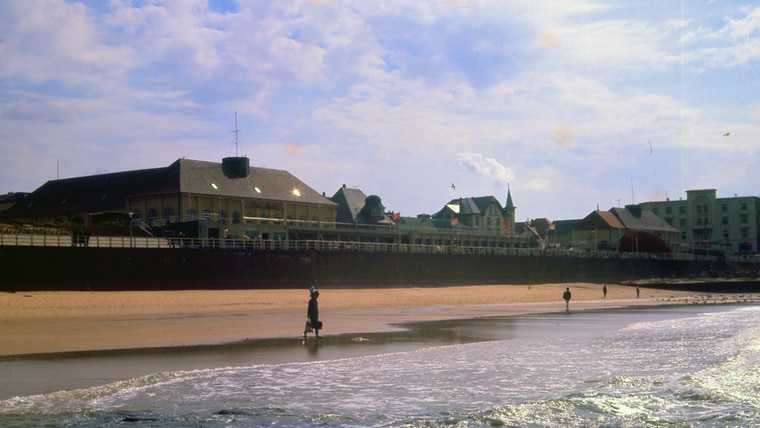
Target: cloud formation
[[486, 167], [381, 95]]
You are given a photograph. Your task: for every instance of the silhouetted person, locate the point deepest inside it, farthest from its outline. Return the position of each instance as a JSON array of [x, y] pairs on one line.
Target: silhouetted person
[[604, 291], [567, 295], [637, 291], [313, 314]]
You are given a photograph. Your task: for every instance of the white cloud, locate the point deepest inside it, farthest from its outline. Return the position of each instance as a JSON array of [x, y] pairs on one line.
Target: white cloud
[[390, 89], [486, 167], [48, 40]]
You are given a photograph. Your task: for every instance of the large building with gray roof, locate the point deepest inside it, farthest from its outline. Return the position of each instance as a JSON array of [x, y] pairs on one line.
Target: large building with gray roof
[[231, 196]]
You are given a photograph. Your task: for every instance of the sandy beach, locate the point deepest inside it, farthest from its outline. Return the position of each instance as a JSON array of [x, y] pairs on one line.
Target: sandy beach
[[54, 322]]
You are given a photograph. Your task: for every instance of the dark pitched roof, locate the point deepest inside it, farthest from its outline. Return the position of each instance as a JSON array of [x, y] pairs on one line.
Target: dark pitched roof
[[100, 192], [108, 192], [350, 203], [647, 221], [207, 178]]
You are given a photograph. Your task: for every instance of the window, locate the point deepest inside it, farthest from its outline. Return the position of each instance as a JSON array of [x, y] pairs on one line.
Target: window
[[668, 210], [263, 216], [724, 208], [682, 210], [169, 214], [190, 214], [743, 218], [743, 206], [724, 220], [249, 217], [655, 211]]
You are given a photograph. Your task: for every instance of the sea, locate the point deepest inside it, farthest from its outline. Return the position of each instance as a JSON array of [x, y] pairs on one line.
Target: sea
[[675, 366]]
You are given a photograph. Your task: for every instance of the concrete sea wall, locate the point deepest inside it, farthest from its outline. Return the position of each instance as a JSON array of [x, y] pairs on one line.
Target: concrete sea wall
[[69, 268]]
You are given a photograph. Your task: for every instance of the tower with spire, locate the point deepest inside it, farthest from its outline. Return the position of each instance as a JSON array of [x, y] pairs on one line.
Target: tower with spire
[[509, 211]]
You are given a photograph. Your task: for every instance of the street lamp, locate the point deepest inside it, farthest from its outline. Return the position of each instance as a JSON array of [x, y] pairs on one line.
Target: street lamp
[[131, 214]]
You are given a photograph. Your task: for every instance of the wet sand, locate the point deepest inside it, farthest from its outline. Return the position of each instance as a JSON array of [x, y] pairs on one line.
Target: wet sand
[[59, 322], [53, 341]]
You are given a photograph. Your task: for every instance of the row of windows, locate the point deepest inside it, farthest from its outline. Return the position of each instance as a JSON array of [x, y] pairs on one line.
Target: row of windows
[[263, 218], [706, 234], [704, 221], [700, 209]]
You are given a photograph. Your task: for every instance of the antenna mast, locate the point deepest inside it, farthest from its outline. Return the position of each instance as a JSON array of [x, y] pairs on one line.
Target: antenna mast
[[633, 199], [236, 136]]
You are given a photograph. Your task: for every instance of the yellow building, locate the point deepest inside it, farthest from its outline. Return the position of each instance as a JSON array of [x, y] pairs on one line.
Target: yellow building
[[229, 198]]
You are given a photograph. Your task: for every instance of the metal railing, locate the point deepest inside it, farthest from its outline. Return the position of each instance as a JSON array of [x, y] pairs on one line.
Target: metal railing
[[321, 245], [83, 241]]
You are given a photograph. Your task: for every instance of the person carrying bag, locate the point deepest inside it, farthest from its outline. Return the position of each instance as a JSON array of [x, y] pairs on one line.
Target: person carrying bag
[[313, 323]]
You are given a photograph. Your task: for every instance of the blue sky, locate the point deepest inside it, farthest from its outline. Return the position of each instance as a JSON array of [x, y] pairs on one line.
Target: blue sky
[[574, 105]]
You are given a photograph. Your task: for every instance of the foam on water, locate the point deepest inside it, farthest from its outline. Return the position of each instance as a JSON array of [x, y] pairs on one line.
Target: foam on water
[[692, 370]]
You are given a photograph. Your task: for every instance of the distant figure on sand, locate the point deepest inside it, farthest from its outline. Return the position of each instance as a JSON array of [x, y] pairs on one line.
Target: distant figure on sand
[[637, 291], [604, 291], [567, 295], [313, 314]]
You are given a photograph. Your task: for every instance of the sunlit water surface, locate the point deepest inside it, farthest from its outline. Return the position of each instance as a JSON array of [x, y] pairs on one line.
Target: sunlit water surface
[[694, 367]]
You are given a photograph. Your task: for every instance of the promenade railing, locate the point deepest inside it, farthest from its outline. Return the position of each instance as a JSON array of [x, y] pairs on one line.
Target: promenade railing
[[41, 240]]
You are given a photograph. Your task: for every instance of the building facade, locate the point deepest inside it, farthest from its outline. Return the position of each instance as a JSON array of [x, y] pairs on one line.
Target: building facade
[[709, 223], [210, 199]]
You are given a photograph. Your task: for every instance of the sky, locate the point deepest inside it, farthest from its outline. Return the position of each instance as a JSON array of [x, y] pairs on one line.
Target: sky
[[571, 105]]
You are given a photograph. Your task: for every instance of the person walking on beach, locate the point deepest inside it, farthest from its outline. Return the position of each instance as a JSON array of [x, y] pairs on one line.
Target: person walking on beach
[[567, 295], [313, 314], [604, 291], [637, 291]]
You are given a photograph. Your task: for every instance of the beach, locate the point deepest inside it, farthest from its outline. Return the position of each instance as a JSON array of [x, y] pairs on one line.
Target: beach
[[428, 356], [61, 322]]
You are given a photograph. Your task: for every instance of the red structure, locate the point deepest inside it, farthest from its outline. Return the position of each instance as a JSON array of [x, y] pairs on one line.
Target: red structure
[[638, 241]]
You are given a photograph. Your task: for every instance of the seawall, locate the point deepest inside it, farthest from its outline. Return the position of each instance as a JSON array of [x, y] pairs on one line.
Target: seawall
[[87, 268]]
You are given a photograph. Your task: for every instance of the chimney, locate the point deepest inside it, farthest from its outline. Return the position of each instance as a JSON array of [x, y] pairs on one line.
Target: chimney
[[236, 167]]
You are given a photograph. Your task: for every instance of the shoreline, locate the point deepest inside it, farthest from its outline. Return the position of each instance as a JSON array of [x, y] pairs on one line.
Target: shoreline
[[55, 323]]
